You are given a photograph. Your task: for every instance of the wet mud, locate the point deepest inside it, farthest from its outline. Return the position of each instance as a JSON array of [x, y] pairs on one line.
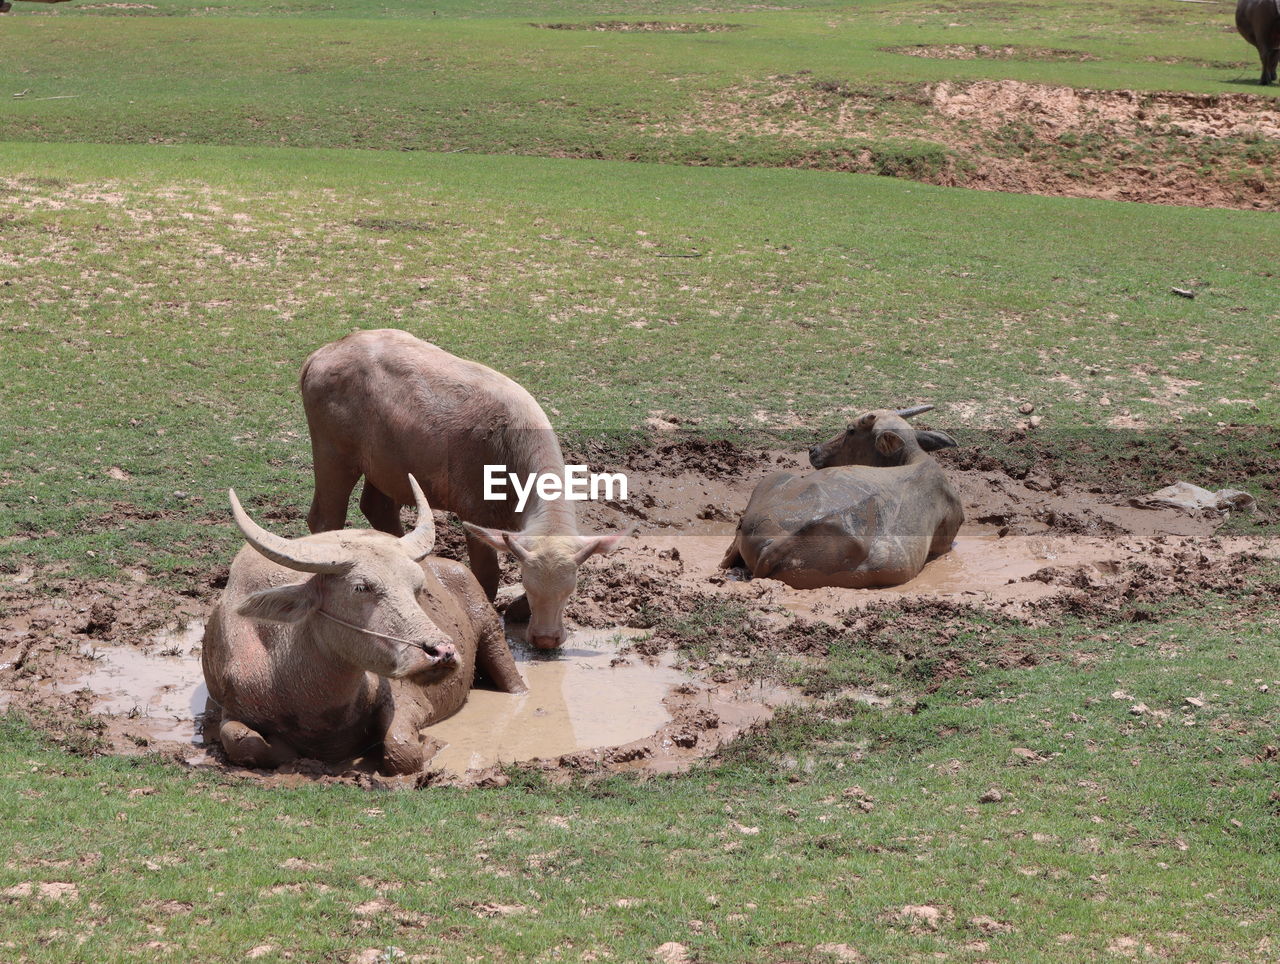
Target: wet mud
[[114, 667]]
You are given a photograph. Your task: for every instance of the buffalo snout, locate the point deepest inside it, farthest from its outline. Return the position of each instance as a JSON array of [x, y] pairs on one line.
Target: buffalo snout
[[816, 457], [549, 641], [442, 652]]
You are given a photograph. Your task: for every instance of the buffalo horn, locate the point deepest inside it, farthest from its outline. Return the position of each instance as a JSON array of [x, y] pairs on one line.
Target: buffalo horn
[[422, 539], [914, 410], [290, 553]]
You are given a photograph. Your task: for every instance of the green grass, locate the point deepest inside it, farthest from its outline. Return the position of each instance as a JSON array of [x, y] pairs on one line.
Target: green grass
[[1159, 828], [192, 198], [174, 293], [484, 79]]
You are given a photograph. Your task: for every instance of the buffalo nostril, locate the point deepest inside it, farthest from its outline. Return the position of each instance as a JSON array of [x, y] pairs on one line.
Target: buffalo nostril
[[445, 651], [546, 642]]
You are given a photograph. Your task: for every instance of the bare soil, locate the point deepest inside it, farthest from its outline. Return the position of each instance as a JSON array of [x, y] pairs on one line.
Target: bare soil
[[641, 26], [989, 52], [1203, 150], [1035, 548]]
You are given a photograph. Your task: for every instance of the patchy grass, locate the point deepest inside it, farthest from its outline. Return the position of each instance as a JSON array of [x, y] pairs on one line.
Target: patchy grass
[[704, 86], [180, 232], [1122, 816], [177, 311]]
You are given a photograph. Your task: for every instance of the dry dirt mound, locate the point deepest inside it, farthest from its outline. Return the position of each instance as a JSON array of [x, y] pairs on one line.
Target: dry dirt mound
[[1056, 110], [1206, 150], [989, 52]]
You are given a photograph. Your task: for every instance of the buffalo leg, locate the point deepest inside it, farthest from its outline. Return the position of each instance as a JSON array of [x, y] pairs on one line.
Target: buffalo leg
[[484, 565], [494, 661], [335, 479], [247, 747], [402, 750], [733, 557], [381, 511]]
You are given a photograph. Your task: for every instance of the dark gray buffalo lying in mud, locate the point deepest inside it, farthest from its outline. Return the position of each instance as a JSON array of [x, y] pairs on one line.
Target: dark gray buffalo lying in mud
[[384, 404], [876, 510], [377, 642], [1259, 23]]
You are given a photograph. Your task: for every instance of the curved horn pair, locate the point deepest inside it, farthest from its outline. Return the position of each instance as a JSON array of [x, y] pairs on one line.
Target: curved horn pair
[[308, 557]]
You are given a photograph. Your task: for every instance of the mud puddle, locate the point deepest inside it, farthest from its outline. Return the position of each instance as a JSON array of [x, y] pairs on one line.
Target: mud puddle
[[153, 694], [589, 697], [593, 703], [614, 699], [1022, 542]]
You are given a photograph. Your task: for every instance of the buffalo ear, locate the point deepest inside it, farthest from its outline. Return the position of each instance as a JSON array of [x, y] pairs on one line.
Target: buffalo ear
[[490, 537], [599, 545], [283, 604], [499, 539], [889, 443], [931, 440]]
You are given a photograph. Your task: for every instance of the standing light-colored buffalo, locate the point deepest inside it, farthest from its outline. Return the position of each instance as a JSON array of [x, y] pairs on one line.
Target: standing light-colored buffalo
[[384, 404], [1259, 23], [876, 510], [376, 643]]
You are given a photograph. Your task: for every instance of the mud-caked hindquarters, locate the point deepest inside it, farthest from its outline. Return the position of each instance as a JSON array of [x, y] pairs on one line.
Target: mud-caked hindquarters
[[849, 527]]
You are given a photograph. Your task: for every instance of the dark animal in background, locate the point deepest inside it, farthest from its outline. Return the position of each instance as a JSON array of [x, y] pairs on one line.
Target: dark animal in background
[[1259, 23], [874, 513]]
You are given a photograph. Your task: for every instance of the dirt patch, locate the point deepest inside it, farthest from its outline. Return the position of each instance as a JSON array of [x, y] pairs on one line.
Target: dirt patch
[[641, 26], [1201, 62], [989, 52], [1205, 150], [88, 664]]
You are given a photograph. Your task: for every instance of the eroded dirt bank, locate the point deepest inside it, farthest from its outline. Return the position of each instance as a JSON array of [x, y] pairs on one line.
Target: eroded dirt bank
[[1204, 150], [114, 667]]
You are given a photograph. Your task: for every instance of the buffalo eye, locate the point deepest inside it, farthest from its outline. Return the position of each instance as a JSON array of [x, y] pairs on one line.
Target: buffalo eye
[[362, 587]]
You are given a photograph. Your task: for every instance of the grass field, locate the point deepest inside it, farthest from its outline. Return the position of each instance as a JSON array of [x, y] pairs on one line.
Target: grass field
[[179, 306], [194, 197]]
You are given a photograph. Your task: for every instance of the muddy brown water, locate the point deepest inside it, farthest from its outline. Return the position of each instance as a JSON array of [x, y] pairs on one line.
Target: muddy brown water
[[584, 696], [585, 700], [160, 688], [592, 706]]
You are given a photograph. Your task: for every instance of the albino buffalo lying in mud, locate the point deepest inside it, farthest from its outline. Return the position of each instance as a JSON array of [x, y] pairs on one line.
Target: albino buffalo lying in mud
[[378, 642], [875, 511], [384, 404], [1259, 23]]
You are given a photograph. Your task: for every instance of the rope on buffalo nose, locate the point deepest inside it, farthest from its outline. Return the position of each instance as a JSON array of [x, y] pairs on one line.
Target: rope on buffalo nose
[[370, 632]]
